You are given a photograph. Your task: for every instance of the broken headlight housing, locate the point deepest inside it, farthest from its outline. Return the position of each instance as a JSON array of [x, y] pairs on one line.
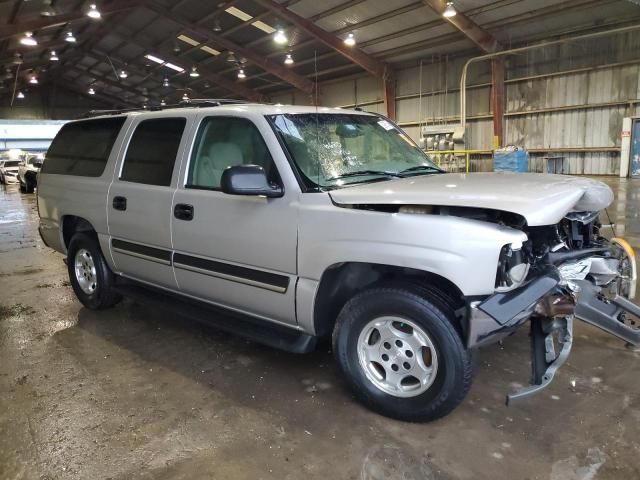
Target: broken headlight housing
[[513, 268]]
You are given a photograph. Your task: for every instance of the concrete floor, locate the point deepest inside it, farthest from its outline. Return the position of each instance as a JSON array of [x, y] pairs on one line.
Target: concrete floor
[[134, 393]]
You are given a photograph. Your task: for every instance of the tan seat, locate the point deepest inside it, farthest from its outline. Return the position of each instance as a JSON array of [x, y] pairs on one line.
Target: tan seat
[[210, 167]]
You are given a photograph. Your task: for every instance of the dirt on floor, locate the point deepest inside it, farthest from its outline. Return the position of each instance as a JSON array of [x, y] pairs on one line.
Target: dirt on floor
[[137, 393]]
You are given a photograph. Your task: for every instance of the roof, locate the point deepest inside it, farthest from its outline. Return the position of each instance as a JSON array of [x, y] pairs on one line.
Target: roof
[[185, 33]]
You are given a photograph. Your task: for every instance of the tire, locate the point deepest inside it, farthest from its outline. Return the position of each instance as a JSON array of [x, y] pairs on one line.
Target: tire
[[417, 315], [95, 290], [23, 188]]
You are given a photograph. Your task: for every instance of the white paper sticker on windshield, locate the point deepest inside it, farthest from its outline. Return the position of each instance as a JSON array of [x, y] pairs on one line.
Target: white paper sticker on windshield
[[386, 125]]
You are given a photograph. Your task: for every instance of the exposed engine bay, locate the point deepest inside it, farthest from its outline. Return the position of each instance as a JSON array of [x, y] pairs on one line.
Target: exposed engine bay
[[561, 272]]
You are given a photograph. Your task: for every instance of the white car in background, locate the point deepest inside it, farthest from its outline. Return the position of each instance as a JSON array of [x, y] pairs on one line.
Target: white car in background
[[28, 172], [9, 171]]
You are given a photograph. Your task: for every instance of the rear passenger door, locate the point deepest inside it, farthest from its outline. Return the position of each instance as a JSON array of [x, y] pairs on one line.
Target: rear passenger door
[[139, 202]]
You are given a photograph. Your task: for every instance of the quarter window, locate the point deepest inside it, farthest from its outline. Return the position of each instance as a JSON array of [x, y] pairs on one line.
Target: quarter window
[[83, 148], [223, 142], [152, 151]]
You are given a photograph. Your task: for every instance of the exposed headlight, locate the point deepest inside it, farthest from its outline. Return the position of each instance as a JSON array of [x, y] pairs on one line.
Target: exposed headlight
[[512, 268]]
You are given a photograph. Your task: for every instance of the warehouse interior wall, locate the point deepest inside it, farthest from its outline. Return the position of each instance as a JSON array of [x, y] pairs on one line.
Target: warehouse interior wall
[[564, 100]]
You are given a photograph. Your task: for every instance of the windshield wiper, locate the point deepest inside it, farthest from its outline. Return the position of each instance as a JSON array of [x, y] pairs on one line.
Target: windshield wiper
[[419, 168], [360, 173]]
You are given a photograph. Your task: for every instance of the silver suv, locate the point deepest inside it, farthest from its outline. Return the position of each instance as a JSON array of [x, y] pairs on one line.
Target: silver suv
[[308, 222]]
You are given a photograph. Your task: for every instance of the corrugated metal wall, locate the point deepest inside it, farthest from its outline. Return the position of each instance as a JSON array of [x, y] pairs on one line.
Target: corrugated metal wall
[[567, 100]]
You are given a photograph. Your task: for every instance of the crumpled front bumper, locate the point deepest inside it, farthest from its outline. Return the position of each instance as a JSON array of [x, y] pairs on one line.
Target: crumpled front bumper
[[501, 314], [550, 301]]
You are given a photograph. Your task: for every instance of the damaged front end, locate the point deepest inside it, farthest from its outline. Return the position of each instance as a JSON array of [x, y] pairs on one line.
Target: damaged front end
[[562, 272]]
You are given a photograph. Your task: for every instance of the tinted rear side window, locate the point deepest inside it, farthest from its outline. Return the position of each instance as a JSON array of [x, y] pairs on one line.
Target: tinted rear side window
[[152, 151], [83, 148]]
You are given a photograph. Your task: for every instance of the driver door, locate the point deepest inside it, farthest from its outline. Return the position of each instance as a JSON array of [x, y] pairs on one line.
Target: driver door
[[231, 250]]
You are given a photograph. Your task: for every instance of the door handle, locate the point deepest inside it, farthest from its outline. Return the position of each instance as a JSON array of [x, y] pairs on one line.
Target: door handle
[[182, 211], [120, 203]]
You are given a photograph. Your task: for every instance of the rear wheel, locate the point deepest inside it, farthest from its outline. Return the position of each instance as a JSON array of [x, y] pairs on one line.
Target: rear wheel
[[91, 278], [401, 354]]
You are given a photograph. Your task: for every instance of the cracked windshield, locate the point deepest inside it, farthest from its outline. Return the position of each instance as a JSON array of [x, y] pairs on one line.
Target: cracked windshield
[[332, 150]]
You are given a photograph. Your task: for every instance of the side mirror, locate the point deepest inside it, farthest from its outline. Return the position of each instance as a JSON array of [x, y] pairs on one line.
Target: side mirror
[[248, 180]]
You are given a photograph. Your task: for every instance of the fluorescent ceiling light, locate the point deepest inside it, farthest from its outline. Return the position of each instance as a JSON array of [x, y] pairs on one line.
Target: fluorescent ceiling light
[[188, 40], [123, 74], [244, 16], [174, 67], [91, 91], [20, 95], [165, 81], [153, 58], [210, 50], [450, 11], [69, 37], [163, 103], [160, 61], [33, 80], [264, 27], [288, 59], [54, 57], [194, 72], [236, 12]]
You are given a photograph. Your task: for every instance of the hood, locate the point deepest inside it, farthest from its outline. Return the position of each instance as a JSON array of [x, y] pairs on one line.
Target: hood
[[541, 199]]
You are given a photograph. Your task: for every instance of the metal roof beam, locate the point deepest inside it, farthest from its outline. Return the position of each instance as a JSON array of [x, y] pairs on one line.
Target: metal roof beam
[[107, 81], [7, 31], [276, 69], [224, 82], [103, 97], [357, 56], [478, 35]]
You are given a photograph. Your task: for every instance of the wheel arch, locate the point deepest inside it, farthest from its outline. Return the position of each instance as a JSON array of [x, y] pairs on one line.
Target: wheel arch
[[340, 282], [71, 224]]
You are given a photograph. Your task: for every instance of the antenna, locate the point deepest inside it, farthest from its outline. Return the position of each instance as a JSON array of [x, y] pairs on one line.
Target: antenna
[[15, 85]]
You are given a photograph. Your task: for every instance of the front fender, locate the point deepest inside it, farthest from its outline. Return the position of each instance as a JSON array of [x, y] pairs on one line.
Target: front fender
[[461, 250]]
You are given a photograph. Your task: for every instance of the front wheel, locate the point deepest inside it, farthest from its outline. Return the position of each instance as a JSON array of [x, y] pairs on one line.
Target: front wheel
[[401, 353], [91, 278]]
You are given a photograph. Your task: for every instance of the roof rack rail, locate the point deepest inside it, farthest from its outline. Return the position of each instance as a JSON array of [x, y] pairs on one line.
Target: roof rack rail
[[192, 103]]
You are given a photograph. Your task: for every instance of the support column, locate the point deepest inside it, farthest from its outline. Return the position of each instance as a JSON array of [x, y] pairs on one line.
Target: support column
[[389, 87], [497, 101]]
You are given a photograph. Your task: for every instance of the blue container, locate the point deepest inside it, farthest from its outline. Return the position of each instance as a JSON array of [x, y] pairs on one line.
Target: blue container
[[511, 160]]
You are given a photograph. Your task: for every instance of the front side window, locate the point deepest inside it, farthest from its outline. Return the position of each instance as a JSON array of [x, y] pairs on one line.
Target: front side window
[[152, 151], [82, 148], [334, 150], [224, 142]]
